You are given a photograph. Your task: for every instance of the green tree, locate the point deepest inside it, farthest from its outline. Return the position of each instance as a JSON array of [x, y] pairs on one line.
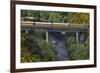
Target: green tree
[[34, 47], [78, 51], [54, 17], [44, 16], [47, 51], [78, 18], [23, 13]]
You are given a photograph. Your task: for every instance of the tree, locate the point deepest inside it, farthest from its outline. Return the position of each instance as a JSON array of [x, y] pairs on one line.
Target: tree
[[77, 50], [55, 17], [44, 16], [47, 51], [23, 13], [28, 49], [78, 18], [34, 47]]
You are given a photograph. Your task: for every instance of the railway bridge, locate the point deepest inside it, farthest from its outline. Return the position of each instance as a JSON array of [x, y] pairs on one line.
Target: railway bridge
[[56, 27]]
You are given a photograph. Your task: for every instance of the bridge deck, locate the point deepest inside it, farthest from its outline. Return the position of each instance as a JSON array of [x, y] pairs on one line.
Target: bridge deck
[[54, 26]]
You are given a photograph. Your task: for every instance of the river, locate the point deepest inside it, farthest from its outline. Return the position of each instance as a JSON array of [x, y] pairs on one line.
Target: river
[[59, 46]]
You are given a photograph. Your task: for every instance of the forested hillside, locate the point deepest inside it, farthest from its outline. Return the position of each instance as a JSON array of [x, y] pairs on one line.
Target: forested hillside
[[34, 47]]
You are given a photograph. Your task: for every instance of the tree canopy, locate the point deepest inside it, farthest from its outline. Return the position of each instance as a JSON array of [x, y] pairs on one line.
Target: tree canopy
[[57, 17]]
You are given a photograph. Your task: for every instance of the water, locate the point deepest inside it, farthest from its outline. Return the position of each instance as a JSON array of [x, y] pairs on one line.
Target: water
[[62, 52], [59, 46]]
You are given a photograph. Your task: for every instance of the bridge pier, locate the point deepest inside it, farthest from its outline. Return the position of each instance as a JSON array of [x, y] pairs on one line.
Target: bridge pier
[[83, 37], [77, 37], [47, 37], [26, 31]]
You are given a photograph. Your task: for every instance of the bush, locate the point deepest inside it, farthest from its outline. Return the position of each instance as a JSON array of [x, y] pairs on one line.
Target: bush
[[78, 51]]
